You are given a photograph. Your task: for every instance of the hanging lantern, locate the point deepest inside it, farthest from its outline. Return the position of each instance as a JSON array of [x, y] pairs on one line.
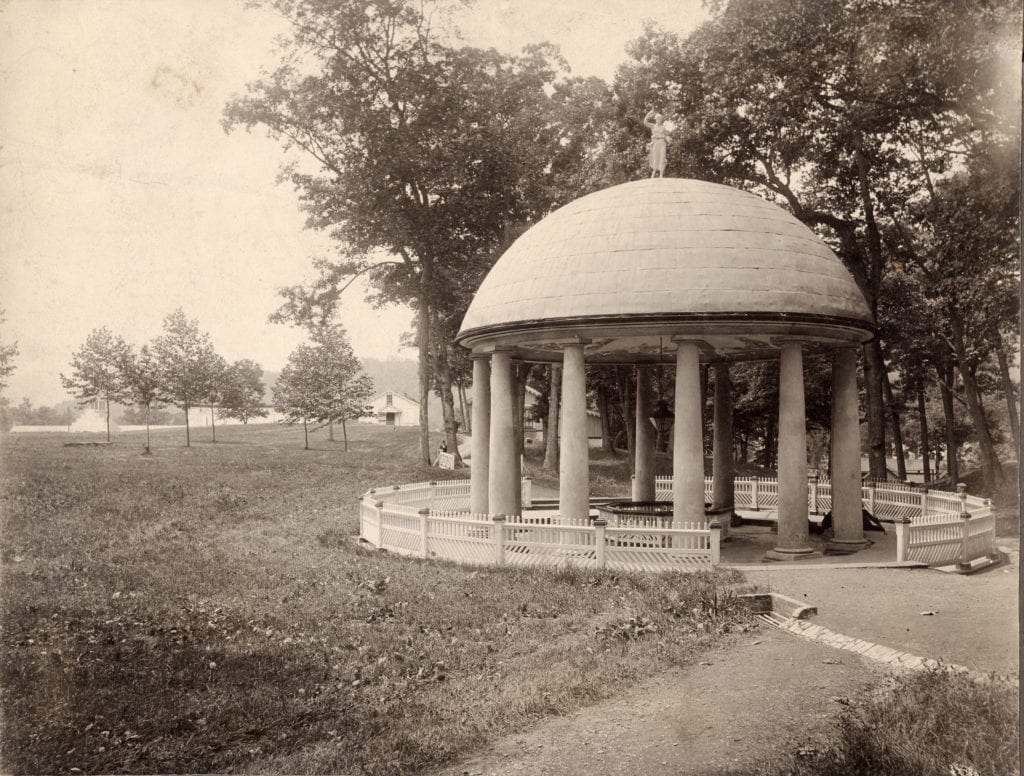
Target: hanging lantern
[[662, 417]]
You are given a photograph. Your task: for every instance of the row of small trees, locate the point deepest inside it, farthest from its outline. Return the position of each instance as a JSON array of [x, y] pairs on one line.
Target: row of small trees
[[180, 368], [323, 381]]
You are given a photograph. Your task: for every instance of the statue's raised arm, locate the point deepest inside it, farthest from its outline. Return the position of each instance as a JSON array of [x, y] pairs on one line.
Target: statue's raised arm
[[658, 146]]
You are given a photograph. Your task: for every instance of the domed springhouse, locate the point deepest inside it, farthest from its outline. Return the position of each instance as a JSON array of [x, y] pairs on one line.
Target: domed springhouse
[[697, 272], [653, 273]]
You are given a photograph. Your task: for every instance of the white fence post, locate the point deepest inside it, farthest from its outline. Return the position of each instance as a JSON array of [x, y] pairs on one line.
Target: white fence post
[[993, 554], [812, 478], [924, 501], [871, 497], [599, 525], [964, 563], [961, 491], [424, 514], [499, 539], [902, 537], [753, 492], [527, 492], [716, 541]]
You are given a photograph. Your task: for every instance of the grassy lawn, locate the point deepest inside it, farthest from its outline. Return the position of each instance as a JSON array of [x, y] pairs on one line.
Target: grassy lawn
[[206, 609]]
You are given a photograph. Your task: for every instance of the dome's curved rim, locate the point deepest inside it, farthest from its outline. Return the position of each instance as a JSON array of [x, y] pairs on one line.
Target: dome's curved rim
[[494, 331]]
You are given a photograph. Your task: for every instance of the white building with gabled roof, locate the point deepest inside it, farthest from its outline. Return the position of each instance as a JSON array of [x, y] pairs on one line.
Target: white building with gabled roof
[[392, 408]]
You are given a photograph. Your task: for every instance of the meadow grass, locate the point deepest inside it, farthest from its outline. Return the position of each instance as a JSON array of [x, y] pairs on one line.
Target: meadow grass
[[207, 609], [938, 722]]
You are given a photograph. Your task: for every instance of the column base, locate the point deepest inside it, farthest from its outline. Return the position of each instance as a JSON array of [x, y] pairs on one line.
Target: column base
[[845, 546], [784, 555]]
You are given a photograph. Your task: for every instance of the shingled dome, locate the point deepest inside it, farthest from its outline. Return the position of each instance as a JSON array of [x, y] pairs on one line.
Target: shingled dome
[[627, 267]]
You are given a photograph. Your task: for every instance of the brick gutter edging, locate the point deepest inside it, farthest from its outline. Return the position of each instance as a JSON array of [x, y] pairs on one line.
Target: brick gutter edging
[[878, 652]]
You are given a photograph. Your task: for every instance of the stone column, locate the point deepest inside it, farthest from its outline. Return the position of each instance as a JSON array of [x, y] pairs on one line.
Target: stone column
[[643, 479], [480, 444], [517, 434], [847, 520], [688, 442], [502, 486], [574, 463], [793, 541]]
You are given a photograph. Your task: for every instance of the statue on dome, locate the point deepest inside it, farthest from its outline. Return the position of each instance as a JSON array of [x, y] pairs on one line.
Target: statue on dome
[[658, 147]]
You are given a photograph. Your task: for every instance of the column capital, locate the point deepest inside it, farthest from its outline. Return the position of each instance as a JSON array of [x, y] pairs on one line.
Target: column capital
[[702, 345], [787, 340], [478, 355], [490, 350]]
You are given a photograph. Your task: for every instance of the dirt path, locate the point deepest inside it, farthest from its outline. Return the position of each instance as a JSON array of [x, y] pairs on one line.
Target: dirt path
[[763, 695], [703, 719]]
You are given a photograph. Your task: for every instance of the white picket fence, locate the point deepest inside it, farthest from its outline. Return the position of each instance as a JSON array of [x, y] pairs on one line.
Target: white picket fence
[[432, 520]]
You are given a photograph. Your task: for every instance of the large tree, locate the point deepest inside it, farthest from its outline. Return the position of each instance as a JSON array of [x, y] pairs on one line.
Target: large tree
[[96, 370], [423, 153], [822, 105], [187, 364]]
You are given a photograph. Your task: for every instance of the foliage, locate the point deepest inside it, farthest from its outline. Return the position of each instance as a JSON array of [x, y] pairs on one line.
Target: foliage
[[323, 382], [241, 393], [96, 368], [27, 415], [426, 153], [8, 352], [186, 363]]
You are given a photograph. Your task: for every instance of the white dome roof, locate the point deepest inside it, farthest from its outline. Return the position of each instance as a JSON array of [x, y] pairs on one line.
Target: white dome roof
[[666, 252]]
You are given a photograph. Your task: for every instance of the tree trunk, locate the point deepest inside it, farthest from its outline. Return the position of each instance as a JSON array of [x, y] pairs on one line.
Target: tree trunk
[[945, 373], [990, 467], [628, 415], [147, 429], [423, 335], [768, 454], [551, 432], [1008, 391], [108, 419], [213, 424], [602, 407], [897, 431], [443, 381], [188, 440], [344, 433], [305, 431], [922, 415], [461, 390], [330, 429], [520, 374], [874, 369]]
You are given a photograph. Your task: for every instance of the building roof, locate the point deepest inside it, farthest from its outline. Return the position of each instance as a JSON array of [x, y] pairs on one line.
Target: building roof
[[667, 256]]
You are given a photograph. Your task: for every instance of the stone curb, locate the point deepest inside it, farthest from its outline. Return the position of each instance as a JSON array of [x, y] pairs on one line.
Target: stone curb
[[877, 652]]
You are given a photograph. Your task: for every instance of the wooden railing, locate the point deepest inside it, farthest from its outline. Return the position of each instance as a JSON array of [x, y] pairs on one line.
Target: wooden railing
[[432, 520]]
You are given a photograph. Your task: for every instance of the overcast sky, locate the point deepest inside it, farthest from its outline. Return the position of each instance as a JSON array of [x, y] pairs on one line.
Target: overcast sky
[[122, 197]]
